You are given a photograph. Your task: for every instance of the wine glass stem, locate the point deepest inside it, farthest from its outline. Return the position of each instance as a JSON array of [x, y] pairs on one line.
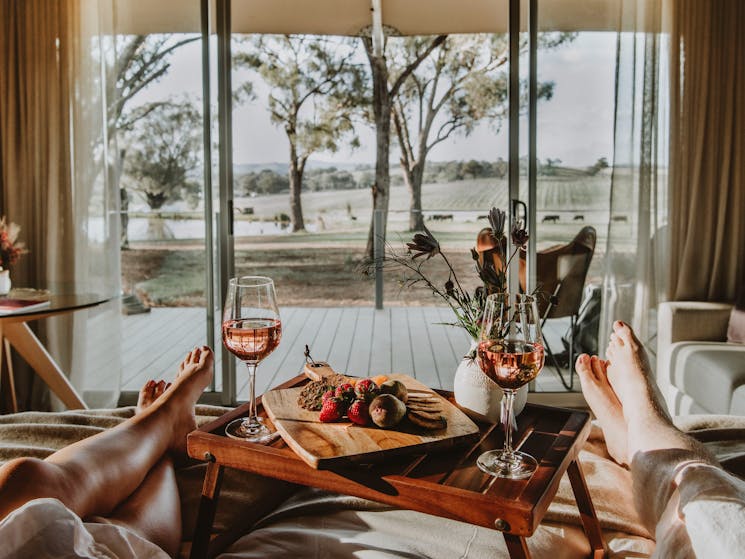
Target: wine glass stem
[[508, 419], [253, 422]]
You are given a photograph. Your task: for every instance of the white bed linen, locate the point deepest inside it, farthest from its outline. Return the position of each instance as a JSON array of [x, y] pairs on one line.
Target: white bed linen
[[318, 525], [46, 529]]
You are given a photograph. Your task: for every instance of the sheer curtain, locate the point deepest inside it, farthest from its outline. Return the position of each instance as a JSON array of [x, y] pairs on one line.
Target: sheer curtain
[[677, 226], [636, 265], [53, 154]]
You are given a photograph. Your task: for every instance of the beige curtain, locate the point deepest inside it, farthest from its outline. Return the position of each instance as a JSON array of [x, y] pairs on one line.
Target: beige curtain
[[52, 173], [35, 91], [707, 152]]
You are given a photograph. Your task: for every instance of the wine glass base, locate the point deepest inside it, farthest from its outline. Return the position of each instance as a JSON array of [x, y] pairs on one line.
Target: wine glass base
[[517, 466], [241, 430]]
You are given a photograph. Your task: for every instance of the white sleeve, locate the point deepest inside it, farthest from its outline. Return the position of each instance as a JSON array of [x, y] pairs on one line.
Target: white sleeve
[[693, 506], [711, 504]]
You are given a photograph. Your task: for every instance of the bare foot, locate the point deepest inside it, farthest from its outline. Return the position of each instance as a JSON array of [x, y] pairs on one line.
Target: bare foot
[[630, 375], [149, 393], [604, 403], [195, 374], [649, 426]]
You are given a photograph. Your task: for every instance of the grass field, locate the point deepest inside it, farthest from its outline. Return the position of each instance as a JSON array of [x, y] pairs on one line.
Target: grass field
[[322, 268]]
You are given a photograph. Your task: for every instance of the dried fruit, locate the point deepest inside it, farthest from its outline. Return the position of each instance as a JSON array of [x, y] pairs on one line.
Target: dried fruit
[[396, 388], [359, 412], [387, 411], [345, 392], [332, 410], [427, 420], [366, 389], [379, 379]]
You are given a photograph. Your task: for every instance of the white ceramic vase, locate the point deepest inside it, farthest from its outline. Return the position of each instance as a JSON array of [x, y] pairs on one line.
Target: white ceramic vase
[[4, 282], [479, 396]]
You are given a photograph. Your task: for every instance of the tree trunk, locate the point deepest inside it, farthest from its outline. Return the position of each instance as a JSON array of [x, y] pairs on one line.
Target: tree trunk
[[296, 185], [115, 178], [382, 113], [414, 179]]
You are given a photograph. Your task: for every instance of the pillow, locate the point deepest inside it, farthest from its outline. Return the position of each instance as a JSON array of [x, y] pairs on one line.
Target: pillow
[[736, 327]]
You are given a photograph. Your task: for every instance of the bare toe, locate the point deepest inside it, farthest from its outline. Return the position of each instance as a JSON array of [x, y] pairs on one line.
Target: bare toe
[[146, 396], [184, 363], [159, 388]]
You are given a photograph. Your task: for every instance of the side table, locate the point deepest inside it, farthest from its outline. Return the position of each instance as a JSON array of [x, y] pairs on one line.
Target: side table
[[15, 332], [446, 484]]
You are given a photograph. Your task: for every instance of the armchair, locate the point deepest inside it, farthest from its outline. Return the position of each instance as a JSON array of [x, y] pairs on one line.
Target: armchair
[[697, 370]]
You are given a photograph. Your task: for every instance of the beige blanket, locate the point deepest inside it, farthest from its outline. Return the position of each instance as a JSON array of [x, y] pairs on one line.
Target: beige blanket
[[338, 526]]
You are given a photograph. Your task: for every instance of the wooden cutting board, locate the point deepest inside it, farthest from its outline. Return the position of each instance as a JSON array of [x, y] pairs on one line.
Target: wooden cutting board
[[329, 445]]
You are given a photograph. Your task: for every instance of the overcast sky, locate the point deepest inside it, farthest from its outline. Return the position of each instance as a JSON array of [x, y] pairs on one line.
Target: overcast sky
[[575, 126]]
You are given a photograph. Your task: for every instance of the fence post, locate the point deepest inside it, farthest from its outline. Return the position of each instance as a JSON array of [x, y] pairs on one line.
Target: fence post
[[378, 248]]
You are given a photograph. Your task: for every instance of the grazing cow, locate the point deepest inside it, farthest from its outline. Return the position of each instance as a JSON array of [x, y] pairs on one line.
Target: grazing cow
[[483, 217], [621, 218], [579, 218], [442, 217], [552, 218]]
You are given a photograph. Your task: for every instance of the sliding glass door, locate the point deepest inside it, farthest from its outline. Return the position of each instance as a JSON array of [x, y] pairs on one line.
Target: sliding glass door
[[343, 133], [159, 117]]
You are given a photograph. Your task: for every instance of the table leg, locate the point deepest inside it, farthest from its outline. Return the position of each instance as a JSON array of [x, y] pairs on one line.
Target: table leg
[[7, 381], [206, 514], [586, 510], [31, 349], [517, 547]]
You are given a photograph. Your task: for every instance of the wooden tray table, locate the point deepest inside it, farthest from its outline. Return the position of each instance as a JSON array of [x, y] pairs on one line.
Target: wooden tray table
[[446, 484]]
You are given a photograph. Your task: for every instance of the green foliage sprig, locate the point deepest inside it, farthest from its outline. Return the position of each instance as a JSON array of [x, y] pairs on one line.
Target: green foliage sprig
[[491, 261]]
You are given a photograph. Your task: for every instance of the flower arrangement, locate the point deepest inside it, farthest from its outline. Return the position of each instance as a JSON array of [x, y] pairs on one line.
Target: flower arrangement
[[10, 249], [491, 259]]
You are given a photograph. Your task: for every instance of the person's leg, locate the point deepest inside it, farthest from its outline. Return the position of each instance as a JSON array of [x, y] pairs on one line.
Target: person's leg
[[623, 396], [648, 424], [96, 475], [693, 507], [153, 510]]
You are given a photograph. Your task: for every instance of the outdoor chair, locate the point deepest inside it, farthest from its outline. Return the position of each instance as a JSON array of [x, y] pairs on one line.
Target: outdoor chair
[[560, 276]]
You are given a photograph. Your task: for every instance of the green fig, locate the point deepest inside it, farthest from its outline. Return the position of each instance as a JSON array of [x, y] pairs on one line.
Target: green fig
[[387, 411], [396, 388]]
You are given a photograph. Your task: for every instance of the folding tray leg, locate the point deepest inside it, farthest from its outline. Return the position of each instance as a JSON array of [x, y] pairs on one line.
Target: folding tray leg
[[206, 514], [586, 510], [516, 546]]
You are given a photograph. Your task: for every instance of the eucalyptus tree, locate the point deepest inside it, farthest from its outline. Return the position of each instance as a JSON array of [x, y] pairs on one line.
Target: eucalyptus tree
[[317, 87], [136, 62], [386, 83], [463, 83], [164, 154]]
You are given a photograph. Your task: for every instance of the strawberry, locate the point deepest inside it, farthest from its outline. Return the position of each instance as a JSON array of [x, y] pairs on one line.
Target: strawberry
[[345, 392], [359, 412], [326, 395], [366, 389], [332, 410]]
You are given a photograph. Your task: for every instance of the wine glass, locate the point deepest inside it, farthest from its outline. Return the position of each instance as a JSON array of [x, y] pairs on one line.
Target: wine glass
[[251, 330], [511, 353]]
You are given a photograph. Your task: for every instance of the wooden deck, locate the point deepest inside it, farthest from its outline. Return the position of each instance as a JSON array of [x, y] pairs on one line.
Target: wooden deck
[[358, 340]]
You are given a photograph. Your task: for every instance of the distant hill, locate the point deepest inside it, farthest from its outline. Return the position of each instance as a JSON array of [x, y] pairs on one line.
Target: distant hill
[[282, 168]]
